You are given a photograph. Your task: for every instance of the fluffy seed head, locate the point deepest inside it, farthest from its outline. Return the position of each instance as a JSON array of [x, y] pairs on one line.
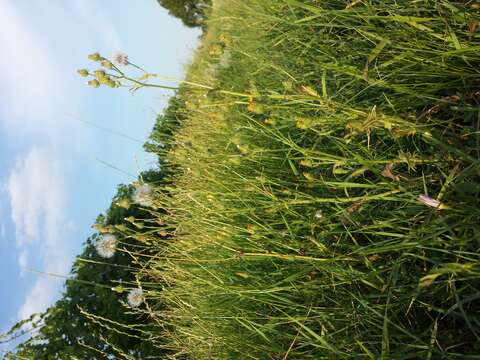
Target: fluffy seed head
[[143, 195], [107, 246], [120, 58], [135, 297]]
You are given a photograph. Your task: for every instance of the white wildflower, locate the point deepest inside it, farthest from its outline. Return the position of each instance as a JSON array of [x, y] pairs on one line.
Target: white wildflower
[[143, 195], [318, 214], [135, 297], [120, 58], [107, 246], [427, 200]]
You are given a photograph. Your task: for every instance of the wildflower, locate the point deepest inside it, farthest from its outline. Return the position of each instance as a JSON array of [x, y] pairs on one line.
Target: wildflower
[[94, 83], [107, 246], [119, 289], [101, 228], [304, 123], [95, 57], [121, 58], [100, 74], [143, 195], [112, 84], [135, 297], [83, 72], [123, 203], [318, 214], [427, 200], [107, 64]]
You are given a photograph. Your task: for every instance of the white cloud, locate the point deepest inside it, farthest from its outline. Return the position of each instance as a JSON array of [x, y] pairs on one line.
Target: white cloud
[[93, 19], [39, 298], [23, 259], [38, 63], [36, 191], [29, 78], [3, 229], [38, 206]]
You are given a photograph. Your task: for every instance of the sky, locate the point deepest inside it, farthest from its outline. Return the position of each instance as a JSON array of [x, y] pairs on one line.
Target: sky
[[62, 152]]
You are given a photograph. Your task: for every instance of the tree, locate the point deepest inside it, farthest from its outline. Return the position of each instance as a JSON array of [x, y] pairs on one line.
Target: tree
[[91, 320], [191, 12]]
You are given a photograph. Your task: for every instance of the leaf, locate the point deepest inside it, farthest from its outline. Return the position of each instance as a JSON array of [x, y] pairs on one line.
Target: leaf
[[377, 50], [428, 280], [299, 4], [454, 39], [353, 3]]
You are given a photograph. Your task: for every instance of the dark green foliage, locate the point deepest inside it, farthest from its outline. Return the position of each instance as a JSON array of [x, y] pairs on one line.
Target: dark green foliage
[[98, 286], [191, 12]]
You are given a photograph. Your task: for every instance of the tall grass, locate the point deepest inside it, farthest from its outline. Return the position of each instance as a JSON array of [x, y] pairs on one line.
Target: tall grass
[[295, 226]]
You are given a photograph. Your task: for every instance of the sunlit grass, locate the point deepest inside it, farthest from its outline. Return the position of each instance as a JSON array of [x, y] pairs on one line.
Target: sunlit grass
[[299, 225]]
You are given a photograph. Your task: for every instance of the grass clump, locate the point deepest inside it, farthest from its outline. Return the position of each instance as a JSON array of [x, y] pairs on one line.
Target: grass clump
[[297, 226]]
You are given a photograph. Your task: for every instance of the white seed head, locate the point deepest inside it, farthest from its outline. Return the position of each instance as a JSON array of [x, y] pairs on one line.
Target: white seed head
[[135, 297], [107, 246], [143, 195], [120, 58]]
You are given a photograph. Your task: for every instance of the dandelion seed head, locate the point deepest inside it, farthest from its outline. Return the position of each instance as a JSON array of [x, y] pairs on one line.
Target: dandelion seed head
[[120, 58], [143, 195], [107, 246], [135, 297], [427, 200]]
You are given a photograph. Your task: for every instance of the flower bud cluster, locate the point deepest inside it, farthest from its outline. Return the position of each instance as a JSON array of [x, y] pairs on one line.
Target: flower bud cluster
[[101, 76]]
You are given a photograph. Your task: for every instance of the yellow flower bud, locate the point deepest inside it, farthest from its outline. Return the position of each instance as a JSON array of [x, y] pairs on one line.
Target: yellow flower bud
[[94, 83], [104, 80], [123, 203], [83, 72], [119, 289], [99, 74], [95, 57], [130, 219], [121, 227], [107, 64]]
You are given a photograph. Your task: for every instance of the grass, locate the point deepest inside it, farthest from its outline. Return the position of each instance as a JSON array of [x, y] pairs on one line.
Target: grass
[[292, 201]]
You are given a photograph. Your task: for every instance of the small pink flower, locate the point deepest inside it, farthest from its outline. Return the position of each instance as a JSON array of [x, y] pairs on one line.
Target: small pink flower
[[427, 200]]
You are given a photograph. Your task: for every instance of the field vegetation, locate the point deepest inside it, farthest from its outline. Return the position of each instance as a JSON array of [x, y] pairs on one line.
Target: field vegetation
[[320, 187]]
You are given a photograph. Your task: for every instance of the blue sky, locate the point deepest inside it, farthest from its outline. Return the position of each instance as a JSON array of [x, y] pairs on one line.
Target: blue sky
[[53, 182]]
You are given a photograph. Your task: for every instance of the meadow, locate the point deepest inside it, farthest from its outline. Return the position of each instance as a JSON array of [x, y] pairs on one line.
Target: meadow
[[320, 186], [323, 196]]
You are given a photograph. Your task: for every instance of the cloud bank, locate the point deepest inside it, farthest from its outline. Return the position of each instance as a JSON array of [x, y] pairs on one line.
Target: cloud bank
[[38, 88], [38, 204]]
